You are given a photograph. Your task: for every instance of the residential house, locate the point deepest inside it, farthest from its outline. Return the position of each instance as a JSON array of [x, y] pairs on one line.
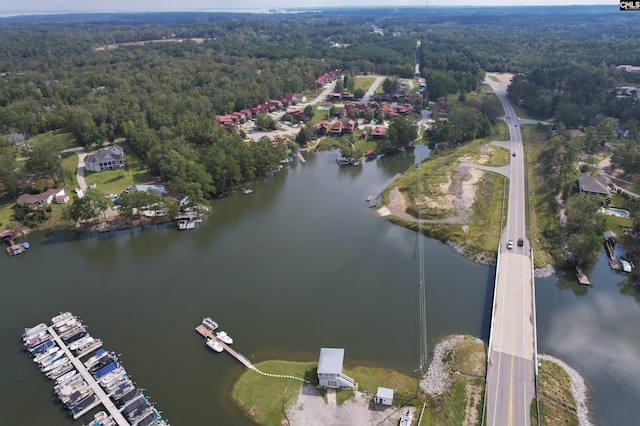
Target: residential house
[[384, 396], [330, 370], [182, 200], [629, 68], [593, 185], [17, 139], [41, 199], [378, 132], [349, 127], [110, 158], [322, 127], [336, 128], [61, 197]]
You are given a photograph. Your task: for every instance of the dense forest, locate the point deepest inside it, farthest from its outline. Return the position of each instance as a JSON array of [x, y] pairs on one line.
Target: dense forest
[[162, 98]]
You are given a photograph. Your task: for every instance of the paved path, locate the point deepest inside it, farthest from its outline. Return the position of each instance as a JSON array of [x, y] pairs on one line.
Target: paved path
[[372, 89]]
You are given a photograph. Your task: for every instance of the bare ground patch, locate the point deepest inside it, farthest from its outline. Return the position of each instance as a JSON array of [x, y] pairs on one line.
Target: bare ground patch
[[459, 194]]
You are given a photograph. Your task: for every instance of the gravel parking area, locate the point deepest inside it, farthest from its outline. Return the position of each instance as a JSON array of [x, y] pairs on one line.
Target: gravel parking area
[[312, 410]]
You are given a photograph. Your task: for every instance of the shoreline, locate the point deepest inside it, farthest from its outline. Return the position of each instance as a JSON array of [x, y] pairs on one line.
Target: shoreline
[[438, 380], [579, 390]]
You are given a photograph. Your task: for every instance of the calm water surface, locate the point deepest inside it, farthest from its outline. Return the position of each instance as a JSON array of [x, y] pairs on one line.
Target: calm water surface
[[299, 264]]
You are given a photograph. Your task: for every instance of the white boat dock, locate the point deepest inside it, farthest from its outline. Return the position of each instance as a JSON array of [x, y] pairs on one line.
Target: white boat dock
[[204, 331], [102, 397], [300, 157]]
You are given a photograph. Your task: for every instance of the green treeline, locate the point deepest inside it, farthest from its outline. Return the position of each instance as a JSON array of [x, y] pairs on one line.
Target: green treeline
[[163, 97]]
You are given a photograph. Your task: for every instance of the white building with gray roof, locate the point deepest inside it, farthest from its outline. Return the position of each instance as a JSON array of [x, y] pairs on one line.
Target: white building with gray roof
[[110, 158], [330, 370]]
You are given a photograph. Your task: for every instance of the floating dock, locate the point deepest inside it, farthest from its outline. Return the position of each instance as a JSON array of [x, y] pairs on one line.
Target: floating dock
[[205, 332], [582, 278], [374, 199], [93, 384]]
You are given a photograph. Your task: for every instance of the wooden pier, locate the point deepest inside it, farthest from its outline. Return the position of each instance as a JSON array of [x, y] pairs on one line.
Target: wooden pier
[[204, 331], [582, 278], [374, 199], [103, 398], [300, 157]]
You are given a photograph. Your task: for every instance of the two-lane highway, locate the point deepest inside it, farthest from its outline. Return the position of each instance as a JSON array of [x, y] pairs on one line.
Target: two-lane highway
[[510, 376]]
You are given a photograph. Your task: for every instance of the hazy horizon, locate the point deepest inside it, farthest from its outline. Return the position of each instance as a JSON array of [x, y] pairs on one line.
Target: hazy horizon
[[94, 6]]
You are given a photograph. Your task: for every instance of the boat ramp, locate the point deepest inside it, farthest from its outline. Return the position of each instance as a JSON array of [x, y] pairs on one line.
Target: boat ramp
[[374, 199]]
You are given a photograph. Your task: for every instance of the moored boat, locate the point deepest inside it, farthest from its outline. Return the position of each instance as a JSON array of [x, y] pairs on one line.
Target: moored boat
[[28, 332], [215, 345], [63, 316], [406, 419], [224, 337], [209, 323]]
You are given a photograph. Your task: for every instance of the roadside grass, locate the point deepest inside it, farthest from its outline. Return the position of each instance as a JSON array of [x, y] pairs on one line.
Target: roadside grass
[[452, 407], [261, 398], [487, 218], [542, 208], [116, 181], [494, 78], [557, 404], [363, 82]]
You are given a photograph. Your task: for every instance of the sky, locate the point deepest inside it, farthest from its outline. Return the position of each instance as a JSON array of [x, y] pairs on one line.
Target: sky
[[61, 6]]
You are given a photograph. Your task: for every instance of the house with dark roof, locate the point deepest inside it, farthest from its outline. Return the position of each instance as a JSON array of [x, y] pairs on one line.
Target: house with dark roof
[[330, 370], [349, 127], [41, 199], [593, 185], [322, 127], [110, 158]]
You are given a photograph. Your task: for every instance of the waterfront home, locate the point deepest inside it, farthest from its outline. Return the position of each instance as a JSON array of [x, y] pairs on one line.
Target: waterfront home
[[110, 158], [41, 199], [160, 189], [330, 370]]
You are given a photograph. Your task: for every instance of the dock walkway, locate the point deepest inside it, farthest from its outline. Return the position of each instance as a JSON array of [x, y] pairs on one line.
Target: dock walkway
[[204, 331], [300, 157], [375, 198], [95, 387]]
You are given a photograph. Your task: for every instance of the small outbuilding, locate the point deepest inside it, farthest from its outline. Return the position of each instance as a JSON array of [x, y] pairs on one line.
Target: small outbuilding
[[384, 396]]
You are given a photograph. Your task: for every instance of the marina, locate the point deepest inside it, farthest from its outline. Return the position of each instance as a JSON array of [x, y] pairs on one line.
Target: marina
[[58, 348]]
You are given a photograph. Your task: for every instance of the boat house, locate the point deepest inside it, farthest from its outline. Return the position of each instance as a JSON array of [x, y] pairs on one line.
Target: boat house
[[330, 370], [384, 396]]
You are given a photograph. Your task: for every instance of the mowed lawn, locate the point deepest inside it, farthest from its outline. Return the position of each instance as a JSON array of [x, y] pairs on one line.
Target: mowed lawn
[[116, 181]]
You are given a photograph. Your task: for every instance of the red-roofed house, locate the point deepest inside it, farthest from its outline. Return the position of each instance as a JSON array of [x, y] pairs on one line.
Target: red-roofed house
[[336, 129], [349, 127], [378, 132], [321, 128]]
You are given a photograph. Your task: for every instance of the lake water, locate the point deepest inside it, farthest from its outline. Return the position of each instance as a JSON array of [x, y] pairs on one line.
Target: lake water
[[299, 264]]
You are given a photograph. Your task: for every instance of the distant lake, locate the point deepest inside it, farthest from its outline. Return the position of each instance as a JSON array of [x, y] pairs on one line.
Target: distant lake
[[299, 264]]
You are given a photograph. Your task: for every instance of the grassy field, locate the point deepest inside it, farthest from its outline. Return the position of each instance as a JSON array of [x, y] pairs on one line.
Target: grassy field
[[363, 82], [369, 379], [61, 140], [261, 397], [557, 405], [481, 235], [6, 214], [116, 181]]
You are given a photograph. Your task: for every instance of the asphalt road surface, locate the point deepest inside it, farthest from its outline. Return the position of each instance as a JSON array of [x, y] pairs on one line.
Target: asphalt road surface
[[510, 377]]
